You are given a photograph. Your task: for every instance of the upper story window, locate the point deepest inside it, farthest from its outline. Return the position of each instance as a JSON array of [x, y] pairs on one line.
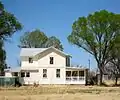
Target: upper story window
[[51, 60], [30, 60], [68, 61]]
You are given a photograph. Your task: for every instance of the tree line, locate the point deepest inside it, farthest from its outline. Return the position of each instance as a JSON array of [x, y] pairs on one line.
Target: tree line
[[98, 34], [38, 39]]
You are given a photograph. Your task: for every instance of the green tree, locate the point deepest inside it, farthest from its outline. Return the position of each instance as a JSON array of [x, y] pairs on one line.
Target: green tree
[[37, 39], [55, 42], [34, 39], [95, 34], [2, 58], [8, 25]]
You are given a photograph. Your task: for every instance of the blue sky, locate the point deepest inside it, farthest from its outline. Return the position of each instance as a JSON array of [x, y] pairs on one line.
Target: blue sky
[[54, 17]]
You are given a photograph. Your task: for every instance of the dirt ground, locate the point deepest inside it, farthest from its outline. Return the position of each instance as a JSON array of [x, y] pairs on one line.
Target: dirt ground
[[60, 93]]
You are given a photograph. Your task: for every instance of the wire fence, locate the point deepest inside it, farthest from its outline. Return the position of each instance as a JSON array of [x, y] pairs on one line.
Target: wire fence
[[8, 81]]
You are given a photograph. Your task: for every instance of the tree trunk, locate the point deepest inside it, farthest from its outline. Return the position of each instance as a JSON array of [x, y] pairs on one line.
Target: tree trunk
[[100, 81], [116, 79], [101, 77]]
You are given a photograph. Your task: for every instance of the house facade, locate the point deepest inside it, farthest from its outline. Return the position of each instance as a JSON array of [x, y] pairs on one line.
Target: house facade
[[47, 66]]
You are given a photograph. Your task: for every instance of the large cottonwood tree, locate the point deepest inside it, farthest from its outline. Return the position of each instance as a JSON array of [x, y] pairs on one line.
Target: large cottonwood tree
[[95, 33]]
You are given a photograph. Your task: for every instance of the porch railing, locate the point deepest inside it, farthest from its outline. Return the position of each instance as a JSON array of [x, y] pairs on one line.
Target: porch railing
[[77, 78]]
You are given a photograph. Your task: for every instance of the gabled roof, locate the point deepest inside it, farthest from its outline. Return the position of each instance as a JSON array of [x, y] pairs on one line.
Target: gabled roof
[[31, 51], [34, 51]]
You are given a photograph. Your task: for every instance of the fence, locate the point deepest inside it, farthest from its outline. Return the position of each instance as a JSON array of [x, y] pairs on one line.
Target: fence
[[8, 81]]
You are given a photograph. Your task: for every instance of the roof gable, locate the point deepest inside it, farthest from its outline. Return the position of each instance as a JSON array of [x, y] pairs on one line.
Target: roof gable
[[31, 51], [36, 51]]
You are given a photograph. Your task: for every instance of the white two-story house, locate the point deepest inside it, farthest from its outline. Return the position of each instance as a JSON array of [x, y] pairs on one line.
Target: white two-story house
[[47, 66]]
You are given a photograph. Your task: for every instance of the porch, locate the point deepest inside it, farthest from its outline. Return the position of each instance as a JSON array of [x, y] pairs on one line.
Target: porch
[[76, 75]]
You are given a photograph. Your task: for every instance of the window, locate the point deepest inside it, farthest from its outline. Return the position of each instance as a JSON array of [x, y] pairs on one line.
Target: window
[[15, 74], [27, 74], [74, 73], [68, 73], [30, 60], [44, 73], [51, 60], [68, 61], [58, 73], [22, 74], [81, 73]]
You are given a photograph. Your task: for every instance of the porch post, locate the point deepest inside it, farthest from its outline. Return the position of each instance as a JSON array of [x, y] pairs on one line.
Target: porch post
[[78, 75], [71, 75], [84, 74]]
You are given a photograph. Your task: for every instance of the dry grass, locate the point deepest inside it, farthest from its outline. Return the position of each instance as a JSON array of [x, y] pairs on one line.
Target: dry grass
[[64, 92], [111, 82]]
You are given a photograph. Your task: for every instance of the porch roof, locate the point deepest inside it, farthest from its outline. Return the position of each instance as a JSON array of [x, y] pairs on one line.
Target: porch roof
[[19, 69], [15, 69], [76, 68]]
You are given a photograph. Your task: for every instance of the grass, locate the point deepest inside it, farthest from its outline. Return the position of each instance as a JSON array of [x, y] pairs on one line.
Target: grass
[[59, 92]]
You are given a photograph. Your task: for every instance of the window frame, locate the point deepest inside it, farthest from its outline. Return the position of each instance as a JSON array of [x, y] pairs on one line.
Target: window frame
[[68, 73], [81, 73], [57, 73], [45, 73], [67, 61], [27, 74], [22, 75], [75, 73], [51, 60], [30, 60]]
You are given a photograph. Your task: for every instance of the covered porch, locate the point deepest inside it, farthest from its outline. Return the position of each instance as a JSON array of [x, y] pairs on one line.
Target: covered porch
[[76, 75]]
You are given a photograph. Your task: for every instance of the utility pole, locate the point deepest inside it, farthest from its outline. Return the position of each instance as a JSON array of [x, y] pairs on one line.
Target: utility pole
[[89, 64], [88, 79], [89, 68]]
